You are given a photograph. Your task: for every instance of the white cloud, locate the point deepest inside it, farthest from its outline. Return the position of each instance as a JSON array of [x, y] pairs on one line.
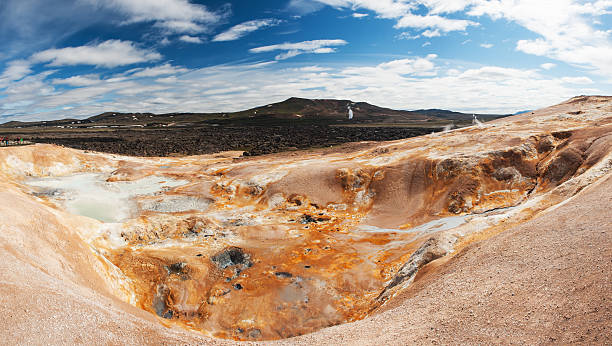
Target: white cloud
[[15, 70], [302, 7], [110, 53], [486, 45], [177, 26], [295, 49], [359, 15], [260, 64], [535, 47], [245, 28], [384, 8], [191, 39], [162, 70], [407, 36], [433, 21], [179, 16], [402, 11], [577, 80], [447, 6], [410, 83], [397, 68], [426, 44], [431, 33], [565, 29], [313, 69], [453, 72], [167, 80], [79, 81], [548, 66]]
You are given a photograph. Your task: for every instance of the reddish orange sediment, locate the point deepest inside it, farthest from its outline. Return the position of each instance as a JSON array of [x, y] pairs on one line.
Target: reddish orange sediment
[[288, 244]]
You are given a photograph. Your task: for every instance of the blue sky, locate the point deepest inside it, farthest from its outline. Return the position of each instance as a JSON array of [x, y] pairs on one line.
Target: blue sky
[[79, 58]]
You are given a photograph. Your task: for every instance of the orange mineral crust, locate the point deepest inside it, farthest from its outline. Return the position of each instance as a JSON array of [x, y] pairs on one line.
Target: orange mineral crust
[[433, 237]]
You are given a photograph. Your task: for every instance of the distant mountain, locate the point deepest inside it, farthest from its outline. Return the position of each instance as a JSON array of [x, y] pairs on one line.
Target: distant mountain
[[322, 108], [293, 110], [522, 112], [456, 116]]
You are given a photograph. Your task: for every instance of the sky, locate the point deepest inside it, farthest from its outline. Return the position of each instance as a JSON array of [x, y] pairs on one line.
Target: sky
[[78, 58]]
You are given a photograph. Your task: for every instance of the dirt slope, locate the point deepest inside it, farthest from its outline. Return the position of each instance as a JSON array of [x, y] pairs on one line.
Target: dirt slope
[[491, 234], [546, 281]]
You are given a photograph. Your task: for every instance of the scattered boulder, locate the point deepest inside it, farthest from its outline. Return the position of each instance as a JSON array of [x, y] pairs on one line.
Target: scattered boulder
[[254, 189], [431, 250], [176, 268], [160, 305], [545, 144], [283, 275], [311, 219], [463, 189], [255, 333], [353, 180], [506, 174], [564, 165], [449, 168], [232, 256]]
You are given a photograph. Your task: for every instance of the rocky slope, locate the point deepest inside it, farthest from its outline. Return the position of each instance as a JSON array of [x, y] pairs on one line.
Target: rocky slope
[[497, 233]]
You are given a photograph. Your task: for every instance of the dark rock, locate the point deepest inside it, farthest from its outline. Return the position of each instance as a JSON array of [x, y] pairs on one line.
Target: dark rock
[[563, 166], [232, 256], [283, 275], [310, 219], [449, 168], [545, 144], [562, 134], [506, 173], [159, 302], [352, 180], [254, 333], [176, 268], [429, 251]]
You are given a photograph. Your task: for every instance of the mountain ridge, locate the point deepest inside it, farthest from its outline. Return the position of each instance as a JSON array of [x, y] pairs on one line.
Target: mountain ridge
[[291, 109]]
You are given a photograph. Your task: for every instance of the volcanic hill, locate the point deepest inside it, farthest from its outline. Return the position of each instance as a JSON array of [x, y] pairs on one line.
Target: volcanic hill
[[284, 126], [297, 110]]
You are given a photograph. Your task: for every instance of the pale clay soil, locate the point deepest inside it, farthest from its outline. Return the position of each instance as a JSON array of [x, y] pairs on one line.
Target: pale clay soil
[[547, 281], [543, 281]]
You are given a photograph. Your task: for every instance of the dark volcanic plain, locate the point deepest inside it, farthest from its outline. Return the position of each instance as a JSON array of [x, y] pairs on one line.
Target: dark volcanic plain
[[289, 125]]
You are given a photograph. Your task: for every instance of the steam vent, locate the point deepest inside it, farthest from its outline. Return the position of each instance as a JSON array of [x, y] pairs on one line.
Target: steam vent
[[484, 234]]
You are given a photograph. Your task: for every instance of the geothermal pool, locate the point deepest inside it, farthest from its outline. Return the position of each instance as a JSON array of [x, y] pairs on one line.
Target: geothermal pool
[[90, 195], [286, 270]]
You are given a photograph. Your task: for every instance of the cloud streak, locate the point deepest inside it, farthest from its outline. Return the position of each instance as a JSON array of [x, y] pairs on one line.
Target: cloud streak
[[238, 31], [191, 39], [176, 16], [305, 47], [403, 12], [111, 53]]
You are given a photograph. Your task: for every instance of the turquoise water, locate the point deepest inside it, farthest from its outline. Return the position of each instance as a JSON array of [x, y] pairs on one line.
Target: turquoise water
[[90, 195], [432, 226]]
